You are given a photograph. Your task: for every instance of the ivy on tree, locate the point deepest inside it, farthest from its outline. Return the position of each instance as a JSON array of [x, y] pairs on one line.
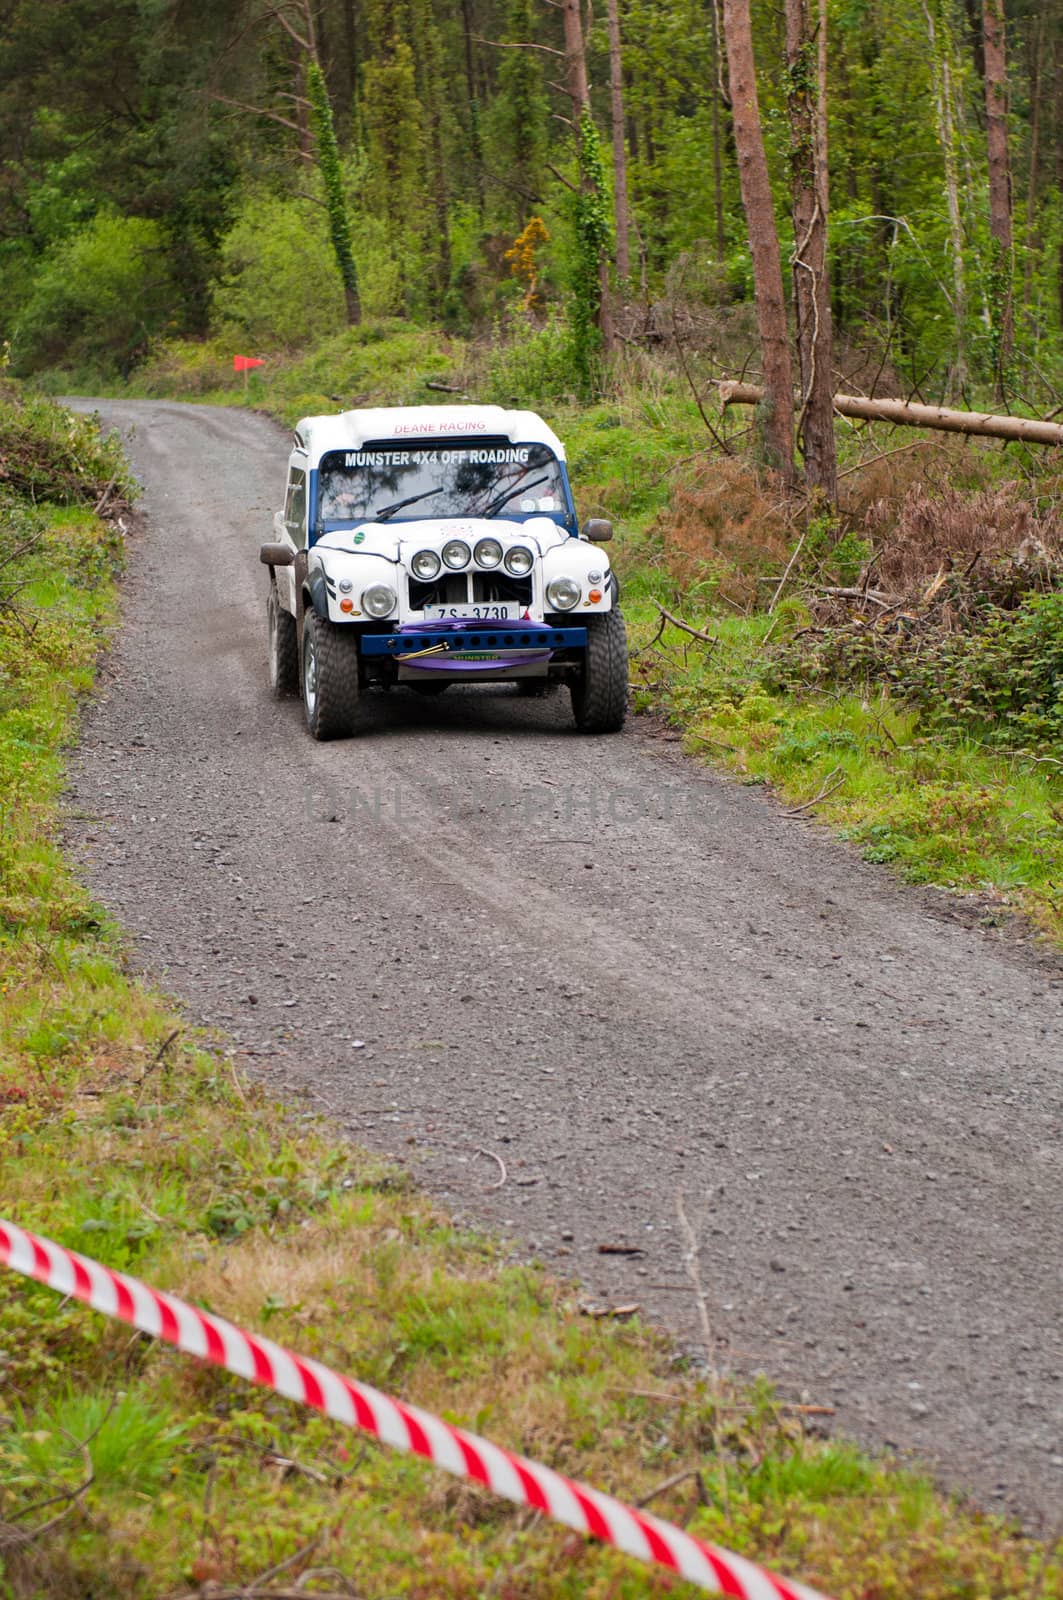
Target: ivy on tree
[[591, 211], [328, 157]]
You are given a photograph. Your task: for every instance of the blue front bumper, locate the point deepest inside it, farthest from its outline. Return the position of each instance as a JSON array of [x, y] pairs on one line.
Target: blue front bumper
[[487, 639]]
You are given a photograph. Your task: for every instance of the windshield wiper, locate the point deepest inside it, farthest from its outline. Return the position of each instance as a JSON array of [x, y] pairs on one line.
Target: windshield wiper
[[499, 501], [389, 511]]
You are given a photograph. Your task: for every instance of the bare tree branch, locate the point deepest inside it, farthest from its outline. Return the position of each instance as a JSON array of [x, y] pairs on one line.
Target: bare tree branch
[[507, 44]]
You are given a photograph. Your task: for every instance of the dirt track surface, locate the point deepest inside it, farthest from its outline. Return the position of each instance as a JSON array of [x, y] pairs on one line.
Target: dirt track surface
[[472, 929]]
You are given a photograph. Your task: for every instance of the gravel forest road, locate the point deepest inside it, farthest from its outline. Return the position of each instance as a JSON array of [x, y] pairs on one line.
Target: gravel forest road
[[473, 930]]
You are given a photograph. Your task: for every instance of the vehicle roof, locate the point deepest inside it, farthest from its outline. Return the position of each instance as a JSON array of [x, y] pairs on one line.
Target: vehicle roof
[[351, 430]]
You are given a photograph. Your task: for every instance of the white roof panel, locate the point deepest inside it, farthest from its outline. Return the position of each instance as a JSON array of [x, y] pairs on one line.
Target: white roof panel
[[350, 430]]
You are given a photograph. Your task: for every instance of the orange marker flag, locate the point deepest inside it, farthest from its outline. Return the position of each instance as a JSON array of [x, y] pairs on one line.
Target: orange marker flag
[[245, 363]]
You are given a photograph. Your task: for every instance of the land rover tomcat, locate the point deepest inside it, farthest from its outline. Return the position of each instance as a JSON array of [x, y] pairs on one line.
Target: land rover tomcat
[[438, 545]]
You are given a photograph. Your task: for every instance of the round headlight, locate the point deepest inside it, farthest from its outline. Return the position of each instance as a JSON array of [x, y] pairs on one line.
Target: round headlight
[[456, 554], [345, 586], [425, 565], [378, 600], [488, 553], [519, 561], [563, 593]]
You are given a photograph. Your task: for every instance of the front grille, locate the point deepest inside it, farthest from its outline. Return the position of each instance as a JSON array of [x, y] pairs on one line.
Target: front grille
[[452, 589], [500, 586], [448, 589]]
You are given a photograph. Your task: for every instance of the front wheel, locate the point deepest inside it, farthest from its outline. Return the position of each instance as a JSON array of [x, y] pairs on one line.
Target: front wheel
[[330, 678], [283, 648], [599, 694]]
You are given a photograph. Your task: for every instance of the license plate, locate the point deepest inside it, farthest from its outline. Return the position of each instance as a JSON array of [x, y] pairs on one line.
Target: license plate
[[494, 611]]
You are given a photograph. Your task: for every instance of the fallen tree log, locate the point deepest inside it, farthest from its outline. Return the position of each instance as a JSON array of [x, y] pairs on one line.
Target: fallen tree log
[[907, 415]]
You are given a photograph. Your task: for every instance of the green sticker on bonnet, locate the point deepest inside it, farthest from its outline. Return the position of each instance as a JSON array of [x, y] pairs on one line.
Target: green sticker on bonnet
[[359, 536]]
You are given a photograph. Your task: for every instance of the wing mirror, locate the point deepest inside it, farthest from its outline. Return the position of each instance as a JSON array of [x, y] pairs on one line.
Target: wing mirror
[[597, 530], [276, 555]]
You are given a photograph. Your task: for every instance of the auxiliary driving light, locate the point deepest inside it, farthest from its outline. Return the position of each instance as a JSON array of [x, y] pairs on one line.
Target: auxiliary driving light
[[519, 561], [488, 553], [378, 600], [456, 554], [563, 593], [425, 565]]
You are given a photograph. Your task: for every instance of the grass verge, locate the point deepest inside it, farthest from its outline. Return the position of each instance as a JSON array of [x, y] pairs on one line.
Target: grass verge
[[949, 811], [124, 1136]]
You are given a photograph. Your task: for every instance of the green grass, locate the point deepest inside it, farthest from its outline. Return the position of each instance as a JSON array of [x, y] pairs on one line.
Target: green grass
[[949, 811], [124, 1135], [380, 363]]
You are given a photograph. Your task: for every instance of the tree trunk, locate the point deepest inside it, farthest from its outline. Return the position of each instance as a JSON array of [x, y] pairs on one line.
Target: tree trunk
[[996, 109], [575, 59], [352, 62], [905, 414], [475, 141], [1033, 242], [777, 418], [718, 98], [815, 427], [822, 166], [580, 95], [616, 98], [941, 52]]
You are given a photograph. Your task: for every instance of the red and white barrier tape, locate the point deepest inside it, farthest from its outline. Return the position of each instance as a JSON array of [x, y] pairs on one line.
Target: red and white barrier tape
[[211, 1338]]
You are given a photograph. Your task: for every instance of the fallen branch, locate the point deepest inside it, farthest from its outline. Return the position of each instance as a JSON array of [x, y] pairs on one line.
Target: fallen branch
[[876, 596], [789, 568], [673, 1482], [883, 455], [14, 1538], [717, 438], [677, 622], [160, 1055], [823, 794], [1030, 430], [104, 497]]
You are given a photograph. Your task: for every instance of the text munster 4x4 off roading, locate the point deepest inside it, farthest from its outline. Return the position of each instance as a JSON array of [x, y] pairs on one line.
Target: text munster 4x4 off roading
[[431, 545]]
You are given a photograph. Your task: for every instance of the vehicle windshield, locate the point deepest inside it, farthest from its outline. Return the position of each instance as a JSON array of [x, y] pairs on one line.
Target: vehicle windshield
[[485, 479]]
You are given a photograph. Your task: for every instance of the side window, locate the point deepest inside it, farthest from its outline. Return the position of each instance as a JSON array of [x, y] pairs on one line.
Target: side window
[[295, 507]]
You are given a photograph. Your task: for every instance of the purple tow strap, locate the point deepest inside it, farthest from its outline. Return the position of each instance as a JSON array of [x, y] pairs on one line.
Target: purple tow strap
[[448, 661]]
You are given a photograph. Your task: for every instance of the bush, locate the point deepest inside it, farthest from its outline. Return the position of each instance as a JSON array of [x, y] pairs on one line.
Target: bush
[[97, 298], [529, 364], [1005, 679], [49, 453], [280, 283], [999, 675]]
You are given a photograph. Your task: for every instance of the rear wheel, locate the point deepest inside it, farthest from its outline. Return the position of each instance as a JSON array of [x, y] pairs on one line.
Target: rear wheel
[[283, 648], [599, 695], [330, 678]]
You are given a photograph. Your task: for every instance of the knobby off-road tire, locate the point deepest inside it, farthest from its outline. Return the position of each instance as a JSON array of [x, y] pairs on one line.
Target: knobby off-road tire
[[599, 696], [330, 678], [283, 647]]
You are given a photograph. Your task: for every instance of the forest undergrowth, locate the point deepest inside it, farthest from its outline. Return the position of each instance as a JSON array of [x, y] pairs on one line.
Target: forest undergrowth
[[125, 1469]]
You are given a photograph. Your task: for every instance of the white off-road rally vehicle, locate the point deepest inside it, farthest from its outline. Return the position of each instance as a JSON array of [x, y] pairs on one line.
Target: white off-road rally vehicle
[[438, 545]]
